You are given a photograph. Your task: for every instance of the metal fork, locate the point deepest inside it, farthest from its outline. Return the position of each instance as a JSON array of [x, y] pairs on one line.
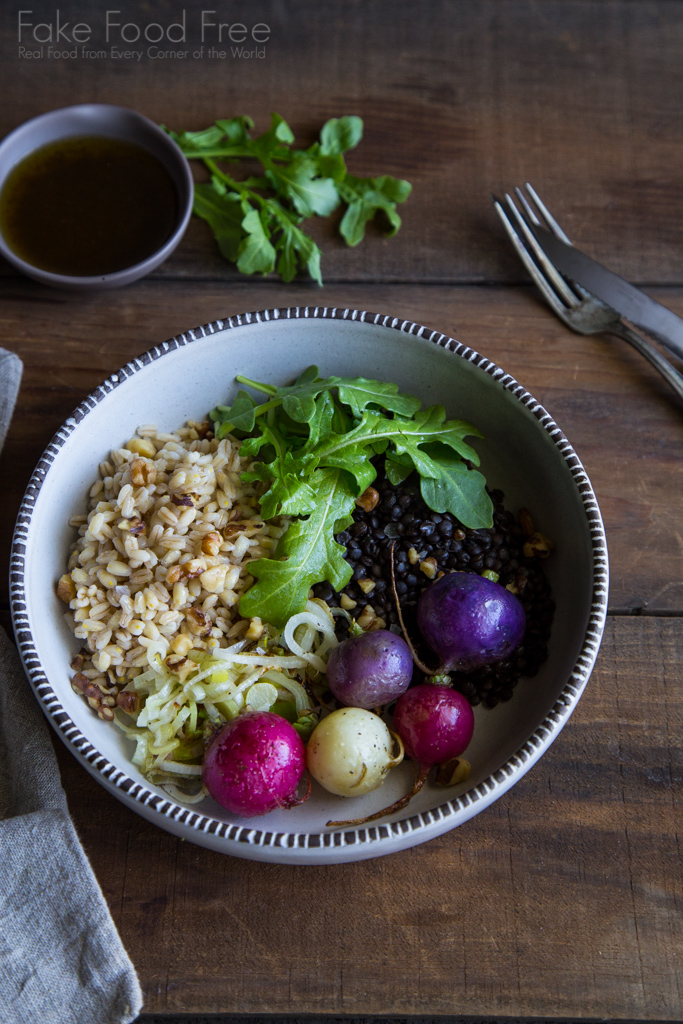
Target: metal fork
[[578, 308]]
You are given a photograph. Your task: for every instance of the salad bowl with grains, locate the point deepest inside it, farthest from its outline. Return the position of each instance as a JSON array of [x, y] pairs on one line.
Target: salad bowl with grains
[[318, 610]]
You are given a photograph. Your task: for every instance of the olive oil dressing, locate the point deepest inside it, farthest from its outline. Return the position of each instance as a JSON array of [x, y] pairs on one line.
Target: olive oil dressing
[[87, 206]]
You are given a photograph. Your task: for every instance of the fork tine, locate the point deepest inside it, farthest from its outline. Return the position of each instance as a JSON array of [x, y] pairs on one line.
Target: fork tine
[[555, 278], [550, 220], [537, 276], [530, 212]]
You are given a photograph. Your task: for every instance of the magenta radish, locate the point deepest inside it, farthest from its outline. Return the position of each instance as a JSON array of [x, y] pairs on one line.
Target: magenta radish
[[469, 621], [435, 724], [255, 764], [369, 670]]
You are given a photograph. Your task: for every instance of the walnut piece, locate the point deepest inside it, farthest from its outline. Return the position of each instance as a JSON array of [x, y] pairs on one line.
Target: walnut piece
[[538, 546], [211, 543], [368, 499], [142, 473], [129, 702], [66, 588], [198, 622], [429, 568]]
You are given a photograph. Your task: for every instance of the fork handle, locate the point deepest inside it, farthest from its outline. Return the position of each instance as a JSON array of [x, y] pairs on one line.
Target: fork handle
[[653, 356]]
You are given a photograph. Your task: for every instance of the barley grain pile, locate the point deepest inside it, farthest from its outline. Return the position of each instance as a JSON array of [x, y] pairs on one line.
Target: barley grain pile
[[162, 557]]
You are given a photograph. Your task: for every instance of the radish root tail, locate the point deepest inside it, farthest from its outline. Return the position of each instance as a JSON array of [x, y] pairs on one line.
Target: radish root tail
[[420, 777]]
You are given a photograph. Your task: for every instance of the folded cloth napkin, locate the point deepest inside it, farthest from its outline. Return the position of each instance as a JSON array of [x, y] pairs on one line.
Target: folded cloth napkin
[[61, 958]]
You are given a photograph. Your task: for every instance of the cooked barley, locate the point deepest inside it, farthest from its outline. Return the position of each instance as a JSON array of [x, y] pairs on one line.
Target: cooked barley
[[163, 554]]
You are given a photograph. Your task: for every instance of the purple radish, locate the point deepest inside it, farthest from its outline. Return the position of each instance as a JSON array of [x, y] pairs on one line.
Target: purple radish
[[254, 764], [435, 725], [369, 670], [469, 621]]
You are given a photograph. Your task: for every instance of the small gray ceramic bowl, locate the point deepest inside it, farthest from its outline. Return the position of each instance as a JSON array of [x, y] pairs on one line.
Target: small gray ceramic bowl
[[523, 452], [103, 120]]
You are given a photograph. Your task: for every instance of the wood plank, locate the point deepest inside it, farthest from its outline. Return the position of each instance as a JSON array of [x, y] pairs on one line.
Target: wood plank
[[625, 425], [463, 97], [561, 900]]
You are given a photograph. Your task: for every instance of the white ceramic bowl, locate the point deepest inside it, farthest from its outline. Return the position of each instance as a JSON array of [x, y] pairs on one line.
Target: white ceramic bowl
[[524, 453]]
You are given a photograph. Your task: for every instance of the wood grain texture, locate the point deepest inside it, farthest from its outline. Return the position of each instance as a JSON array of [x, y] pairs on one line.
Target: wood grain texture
[[462, 97], [625, 425], [563, 899]]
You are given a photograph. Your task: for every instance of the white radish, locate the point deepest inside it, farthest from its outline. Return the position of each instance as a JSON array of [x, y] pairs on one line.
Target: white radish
[[351, 751]]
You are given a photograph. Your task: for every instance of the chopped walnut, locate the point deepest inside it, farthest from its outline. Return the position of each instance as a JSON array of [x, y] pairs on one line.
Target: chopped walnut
[[368, 499], [180, 665], [203, 429], [538, 546], [137, 526], [347, 603], [142, 473], [96, 698], [369, 620], [198, 622], [450, 773], [245, 526], [211, 543], [66, 589], [429, 568], [79, 682], [195, 567], [366, 585], [519, 584], [129, 702], [188, 500]]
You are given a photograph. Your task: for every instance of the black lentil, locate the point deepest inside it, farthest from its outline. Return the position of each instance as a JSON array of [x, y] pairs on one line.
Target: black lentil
[[401, 517]]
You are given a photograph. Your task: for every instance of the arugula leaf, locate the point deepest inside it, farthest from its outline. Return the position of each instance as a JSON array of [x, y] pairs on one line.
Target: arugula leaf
[[241, 414], [297, 249], [298, 181], [294, 184], [359, 393], [306, 554], [365, 197], [458, 490], [406, 435], [356, 392], [398, 468], [268, 144], [224, 214], [340, 134], [256, 254], [431, 424]]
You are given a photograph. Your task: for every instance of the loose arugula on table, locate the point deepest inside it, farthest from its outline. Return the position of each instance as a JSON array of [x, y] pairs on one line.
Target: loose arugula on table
[[313, 444], [256, 219]]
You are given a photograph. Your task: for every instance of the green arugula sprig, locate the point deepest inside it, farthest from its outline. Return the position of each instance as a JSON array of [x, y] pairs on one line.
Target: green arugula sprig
[[313, 444], [256, 219]]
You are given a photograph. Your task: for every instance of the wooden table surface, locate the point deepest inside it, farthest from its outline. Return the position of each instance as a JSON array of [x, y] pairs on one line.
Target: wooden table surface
[[564, 898]]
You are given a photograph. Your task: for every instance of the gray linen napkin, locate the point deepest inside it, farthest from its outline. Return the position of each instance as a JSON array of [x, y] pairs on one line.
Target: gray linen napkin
[[61, 958]]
